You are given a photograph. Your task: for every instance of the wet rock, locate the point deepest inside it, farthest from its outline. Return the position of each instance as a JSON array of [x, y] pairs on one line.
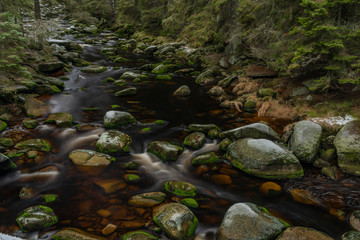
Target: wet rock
[[216, 91], [138, 235], [103, 213], [92, 29], [303, 233], [83, 157], [36, 218], [204, 128], [30, 123], [320, 163], [27, 193], [120, 83], [190, 202], [32, 154], [221, 179], [355, 220], [329, 155], [126, 92], [347, 143], [147, 199], [260, 72], [50, 67], [3, 125], [132, 165], [34, 144], [94, 69], [117, 119], [182, 91], [110, 186], [255, 130], [305, 141], [162, 68], [266, 92], [75, 234], [205, 158], [351, 235], [130, 75], [151, 50], [84, 127], [176, 220], [224, 144], [113, 141], [300, 91], [227, 81], [264, 159], [250, 106], [6, 142], [304, 196], [132, 178], [208, 77], [249, 221], [270, 189], [5, 163], [181, 189], [195, 140], [109, 229], [164, 150], [60, 119], [164, 77]]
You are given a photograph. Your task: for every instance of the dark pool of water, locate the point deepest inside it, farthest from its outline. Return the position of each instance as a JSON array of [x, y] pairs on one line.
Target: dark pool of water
[[80, 197]]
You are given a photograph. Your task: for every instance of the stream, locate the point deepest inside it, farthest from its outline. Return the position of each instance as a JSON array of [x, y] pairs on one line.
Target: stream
[[79, 198]]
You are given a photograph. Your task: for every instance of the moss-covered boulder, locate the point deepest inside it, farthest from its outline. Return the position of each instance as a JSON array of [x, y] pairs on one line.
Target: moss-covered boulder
[[351, 235], [165, 150], [249, 221], [176, 220], [305, 141], [147, 199], [190, 202], [138, 235], [204, 128], [34, 144], [5, 163], [113, 141], [264, 159], [224, 144], [50, 67], [3, 125], [36, 218], [30, 123], [89, 158], [6, 142], [355, 220], [161, 69], [60, 119], [117, 119], [195, 140], [181, 189], [347, 143], [75, 234], [182, 91], [303, 233], [255, 130], [130, 75], [208, 77], [94, 69], [205, 158], [126, 92]]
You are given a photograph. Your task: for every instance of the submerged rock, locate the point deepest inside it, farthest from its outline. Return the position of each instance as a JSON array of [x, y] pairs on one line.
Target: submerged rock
[[195, 140], [34, 107], [36, 218], [126, 92], [176, 220], [75, 234], [34, 144], [110, 186], [182, 91], [248, 221], [94, 69], [347, 143], [147, 199], [255, 130], [60, 119], [164, 150], [138, 235], [305, 141], [117, 119], [181, 189], [303, 233], [263, 158], [90, 158], [113, 141]]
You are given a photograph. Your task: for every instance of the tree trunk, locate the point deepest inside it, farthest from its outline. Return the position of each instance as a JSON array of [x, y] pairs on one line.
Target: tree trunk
[[37, 9]]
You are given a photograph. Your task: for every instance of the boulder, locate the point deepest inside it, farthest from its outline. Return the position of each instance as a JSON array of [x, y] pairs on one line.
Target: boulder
[[263, 158], [255, 130], [162, 68], [34, 144], [351, 235], [347, 144], [303, 233], [6, 142], [5, 163], [190, 202], [256, 71], [176, 220], [208, 77], [147, 199], [92, 29], [75, 234], [36, 218], [130, 75], [34, 107], [181, 189], [204, 128], [113, 141], [216, 91], [305, 141], [117, 119], [355, 220], [50, 67], [195, 140], [205, 158], [126, 92], [60, 119], [164, 150], [248, 221], [138, 235], [30, 123], [182, 91], [94, 69], [3, 125], [83, 157], [224, 144]]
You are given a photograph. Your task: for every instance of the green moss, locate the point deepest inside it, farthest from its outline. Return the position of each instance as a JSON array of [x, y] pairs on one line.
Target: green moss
[[132, 178], [181, 189], [132, 165], [6, 142], [190, 202], [144, 130], [48, 198], [109, 79], [90, 109], [128, 236], [63, 78], [15, 154], [3, 125], [164, 77], [206, 158], [159, 122], [115, 106]]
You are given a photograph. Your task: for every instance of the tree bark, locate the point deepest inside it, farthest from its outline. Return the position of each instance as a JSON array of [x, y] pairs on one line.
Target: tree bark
[[37, 9]]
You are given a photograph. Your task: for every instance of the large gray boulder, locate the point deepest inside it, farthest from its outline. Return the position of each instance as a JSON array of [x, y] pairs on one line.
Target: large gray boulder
[[255, 130], [347, 144], [305, 141], [247, 221], [263, 158], [117, 119], [176, 220], [113, 141], [84, 157]]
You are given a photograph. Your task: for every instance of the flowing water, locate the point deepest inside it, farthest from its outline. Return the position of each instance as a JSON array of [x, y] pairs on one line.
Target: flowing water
[[79, 197]]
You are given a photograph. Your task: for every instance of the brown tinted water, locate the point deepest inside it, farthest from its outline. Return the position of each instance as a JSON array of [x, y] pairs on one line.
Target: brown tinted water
[[80, 197]]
